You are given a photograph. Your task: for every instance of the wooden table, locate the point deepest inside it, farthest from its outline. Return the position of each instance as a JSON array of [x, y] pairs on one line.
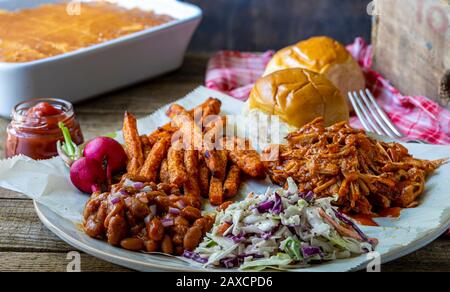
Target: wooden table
[[26, 245]]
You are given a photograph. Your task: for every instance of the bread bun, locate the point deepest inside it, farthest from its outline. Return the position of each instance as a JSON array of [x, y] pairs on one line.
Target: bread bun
[[298, 96], [321, 55]]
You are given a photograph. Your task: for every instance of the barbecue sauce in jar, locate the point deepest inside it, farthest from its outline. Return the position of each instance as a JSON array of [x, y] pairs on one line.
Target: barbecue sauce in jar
[[34, 128]]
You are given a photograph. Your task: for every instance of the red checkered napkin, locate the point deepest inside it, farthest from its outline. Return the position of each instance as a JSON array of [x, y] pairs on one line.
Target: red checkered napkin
[[417, 117]]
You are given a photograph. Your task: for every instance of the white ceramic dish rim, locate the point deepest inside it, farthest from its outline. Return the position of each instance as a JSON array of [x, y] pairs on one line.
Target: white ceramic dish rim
[[196, 13], [57, 228]]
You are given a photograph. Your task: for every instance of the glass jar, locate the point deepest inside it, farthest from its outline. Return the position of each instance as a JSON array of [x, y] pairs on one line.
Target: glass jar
[[34, 128]]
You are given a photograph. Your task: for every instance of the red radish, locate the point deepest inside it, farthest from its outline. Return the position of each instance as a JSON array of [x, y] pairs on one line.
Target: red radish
[[108, 152], [87, 175]]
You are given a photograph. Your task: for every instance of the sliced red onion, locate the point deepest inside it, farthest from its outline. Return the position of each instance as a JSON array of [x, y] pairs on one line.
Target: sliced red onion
[[115, 200], [167, 222], [174, 211], [265, 206], [181, 204], [123, 192], [138, 185], [310, 251], [194, 256]]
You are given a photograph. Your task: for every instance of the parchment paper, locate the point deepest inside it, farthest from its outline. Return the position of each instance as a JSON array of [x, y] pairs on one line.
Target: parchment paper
[[48, 183]]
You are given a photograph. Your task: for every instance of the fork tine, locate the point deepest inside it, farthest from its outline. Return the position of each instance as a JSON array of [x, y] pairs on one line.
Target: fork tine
[[375, 114], [358, 112], [383, 115], [363, 113]]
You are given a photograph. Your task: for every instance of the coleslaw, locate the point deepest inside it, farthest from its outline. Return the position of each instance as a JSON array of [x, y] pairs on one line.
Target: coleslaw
[[280, 229]]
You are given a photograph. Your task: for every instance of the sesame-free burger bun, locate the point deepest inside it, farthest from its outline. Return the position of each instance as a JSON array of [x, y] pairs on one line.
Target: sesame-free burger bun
[[321, 55], [298, 96]]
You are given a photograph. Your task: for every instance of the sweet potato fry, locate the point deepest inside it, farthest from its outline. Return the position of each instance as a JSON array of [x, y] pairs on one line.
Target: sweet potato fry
[[215, 191], [191, 186], [247, 159], [203, 177], [190, 132], [175, 164], [193, 139], [215, 164], [231, 184], [146, 146], [157, 153], [133, 144], [158, 134], [175, 109], [164, 176], [211, 107], [222, 174]]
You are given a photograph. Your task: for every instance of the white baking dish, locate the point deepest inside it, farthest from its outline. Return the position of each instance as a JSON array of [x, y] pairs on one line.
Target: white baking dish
[[104, 67]]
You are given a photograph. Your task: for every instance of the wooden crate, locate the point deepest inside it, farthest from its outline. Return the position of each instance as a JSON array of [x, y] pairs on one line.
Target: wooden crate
[[411, 41]]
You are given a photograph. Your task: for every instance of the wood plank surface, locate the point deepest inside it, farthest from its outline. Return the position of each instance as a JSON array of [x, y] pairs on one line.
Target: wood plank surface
[[27, 245], [411, 41]]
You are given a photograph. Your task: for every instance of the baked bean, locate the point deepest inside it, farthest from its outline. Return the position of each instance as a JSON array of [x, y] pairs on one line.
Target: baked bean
[[137, 229], [117, 230], [143, 198], [165, 187], [134, 244], [93, 228], [201, 223], [114, 209], [153, 185], [155, 230], [193, 201], [179, 250], [151, 245], [191, 213], [180, 226], [94, 224], [137, 208], [192, 238], [163, 203], [167, 245], [90, 208], [178, 238]]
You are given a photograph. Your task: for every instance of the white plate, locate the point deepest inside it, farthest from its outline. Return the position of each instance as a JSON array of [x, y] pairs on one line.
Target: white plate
[[57, 199], [74, 236]]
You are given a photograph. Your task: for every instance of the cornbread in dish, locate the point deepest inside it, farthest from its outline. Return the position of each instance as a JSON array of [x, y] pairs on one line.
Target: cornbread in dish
[[49, 30]]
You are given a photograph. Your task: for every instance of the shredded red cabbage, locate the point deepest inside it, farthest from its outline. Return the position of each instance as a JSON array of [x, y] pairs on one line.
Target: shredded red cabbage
[[265, 206], [310, 251], [236, 238], [230, 263], [278, 206], [347, 221], [308, 197], [194, 256]]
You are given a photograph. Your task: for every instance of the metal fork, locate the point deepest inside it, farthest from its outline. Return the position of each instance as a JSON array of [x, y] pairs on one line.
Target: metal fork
[[372, 116]]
